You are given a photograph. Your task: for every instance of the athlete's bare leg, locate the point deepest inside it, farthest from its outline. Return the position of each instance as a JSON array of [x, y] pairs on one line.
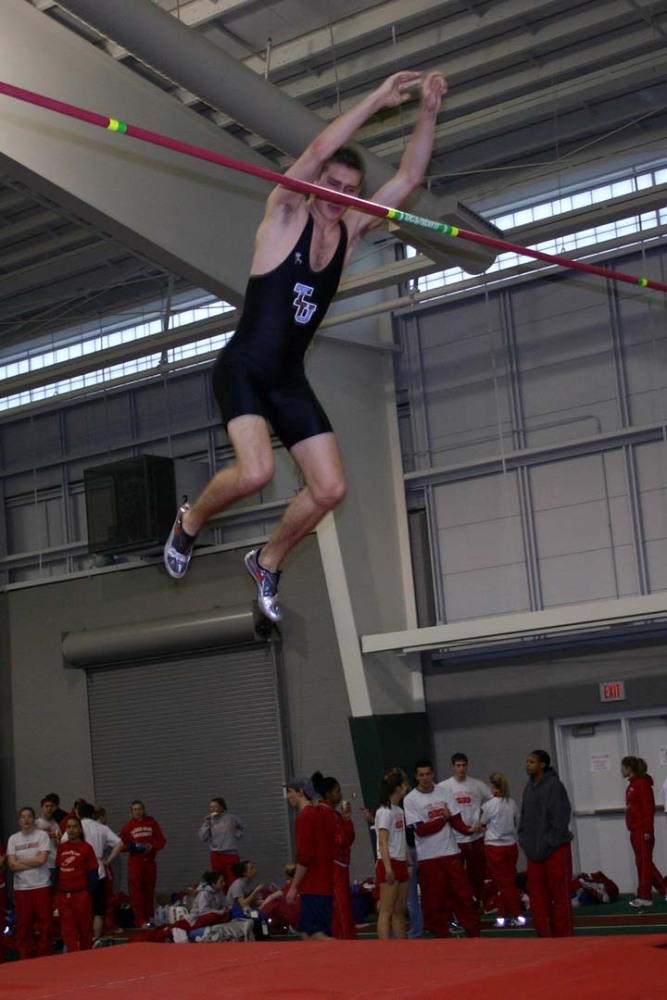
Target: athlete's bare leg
[[252, 470], [320, 462], [318, 458]]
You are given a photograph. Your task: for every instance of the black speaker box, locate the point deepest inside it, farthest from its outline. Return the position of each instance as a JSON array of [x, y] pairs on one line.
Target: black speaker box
[[130, 504]]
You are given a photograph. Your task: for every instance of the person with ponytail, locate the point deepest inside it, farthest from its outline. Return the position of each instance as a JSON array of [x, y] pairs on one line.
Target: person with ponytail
[[343, 925], [639, 819], [544, 834], [500, 817], [392, 872]]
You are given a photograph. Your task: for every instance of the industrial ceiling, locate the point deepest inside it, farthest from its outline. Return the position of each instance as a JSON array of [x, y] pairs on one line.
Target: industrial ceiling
[[544, 95]]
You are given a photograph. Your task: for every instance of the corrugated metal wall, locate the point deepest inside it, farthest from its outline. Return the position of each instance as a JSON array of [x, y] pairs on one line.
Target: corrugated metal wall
[[192, 729]]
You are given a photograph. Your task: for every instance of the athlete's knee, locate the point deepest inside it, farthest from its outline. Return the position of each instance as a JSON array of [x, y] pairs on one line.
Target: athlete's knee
[[253, 478], [330, 493]]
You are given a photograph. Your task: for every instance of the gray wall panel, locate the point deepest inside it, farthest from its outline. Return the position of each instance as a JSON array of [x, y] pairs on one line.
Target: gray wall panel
[[491, 591], [482, 554], [576, 359]]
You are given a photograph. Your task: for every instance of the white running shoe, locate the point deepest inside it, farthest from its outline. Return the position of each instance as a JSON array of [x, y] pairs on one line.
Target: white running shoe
[[267, 586], [178, 547], [638, 903]]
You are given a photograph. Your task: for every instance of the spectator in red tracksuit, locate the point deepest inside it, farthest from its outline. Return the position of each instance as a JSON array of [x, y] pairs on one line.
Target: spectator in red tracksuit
[[143, 838], [639, 819], [343, 923], [546, 839], [75, 880], [28, 860], [315, 833]]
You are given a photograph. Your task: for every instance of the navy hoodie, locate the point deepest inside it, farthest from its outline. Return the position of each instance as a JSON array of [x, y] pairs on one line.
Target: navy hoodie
[[545, 817]]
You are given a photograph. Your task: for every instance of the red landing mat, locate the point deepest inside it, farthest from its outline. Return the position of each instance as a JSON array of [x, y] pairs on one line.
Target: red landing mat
[[584, 968]]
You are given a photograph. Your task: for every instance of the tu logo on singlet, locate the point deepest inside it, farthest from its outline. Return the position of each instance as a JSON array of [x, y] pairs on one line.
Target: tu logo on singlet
[[303, 309]]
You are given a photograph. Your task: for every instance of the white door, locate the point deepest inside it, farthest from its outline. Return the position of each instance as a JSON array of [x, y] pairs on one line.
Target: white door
[[589, 760], [648, 737]]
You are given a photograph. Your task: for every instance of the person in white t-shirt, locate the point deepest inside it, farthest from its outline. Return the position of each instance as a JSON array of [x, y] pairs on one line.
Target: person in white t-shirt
[[392, 871], [500, 818], [28, 860], [470, 794], [434, 815]]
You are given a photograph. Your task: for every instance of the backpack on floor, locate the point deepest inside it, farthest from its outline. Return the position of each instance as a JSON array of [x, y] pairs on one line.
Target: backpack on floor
[[610, 886], [234, 930], [593, 888]]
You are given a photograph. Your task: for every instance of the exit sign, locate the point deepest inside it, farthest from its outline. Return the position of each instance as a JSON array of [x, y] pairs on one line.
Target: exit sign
[[612, 691]]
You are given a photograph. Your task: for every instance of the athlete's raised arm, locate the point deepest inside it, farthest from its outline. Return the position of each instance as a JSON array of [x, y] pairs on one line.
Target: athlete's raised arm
[[414, 162], [395, 90]]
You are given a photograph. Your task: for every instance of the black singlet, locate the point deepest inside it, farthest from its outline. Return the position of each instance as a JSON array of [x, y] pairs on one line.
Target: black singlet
[[260, 371], [284, 307]]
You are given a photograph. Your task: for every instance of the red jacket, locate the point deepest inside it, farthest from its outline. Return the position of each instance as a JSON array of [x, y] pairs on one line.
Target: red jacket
[[143, 831], [345, 834], [315, 837], [640, 804]]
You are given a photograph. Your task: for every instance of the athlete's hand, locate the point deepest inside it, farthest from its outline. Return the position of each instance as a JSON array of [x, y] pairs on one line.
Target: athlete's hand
[[391, 878], [434, 88], [399, 88]]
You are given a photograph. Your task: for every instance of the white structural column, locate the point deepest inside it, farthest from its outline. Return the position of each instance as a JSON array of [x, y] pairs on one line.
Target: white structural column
[[343, 616], [364, 546]]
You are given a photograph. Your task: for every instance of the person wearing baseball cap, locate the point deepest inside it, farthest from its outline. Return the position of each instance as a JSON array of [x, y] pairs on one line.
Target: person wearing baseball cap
[[315, 833]]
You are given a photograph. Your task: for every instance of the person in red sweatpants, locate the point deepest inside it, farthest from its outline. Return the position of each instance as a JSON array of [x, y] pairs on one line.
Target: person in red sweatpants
[[28, 860], [546, 839], [343, 925], [143, 838], [76, 878], [639, 819], [434, 814]]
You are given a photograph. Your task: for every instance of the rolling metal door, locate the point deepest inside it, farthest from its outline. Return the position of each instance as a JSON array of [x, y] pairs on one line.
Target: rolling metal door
[[174, 734]]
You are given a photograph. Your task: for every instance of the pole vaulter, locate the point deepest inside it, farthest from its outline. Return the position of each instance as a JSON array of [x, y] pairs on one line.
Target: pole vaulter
[[304, 187]]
